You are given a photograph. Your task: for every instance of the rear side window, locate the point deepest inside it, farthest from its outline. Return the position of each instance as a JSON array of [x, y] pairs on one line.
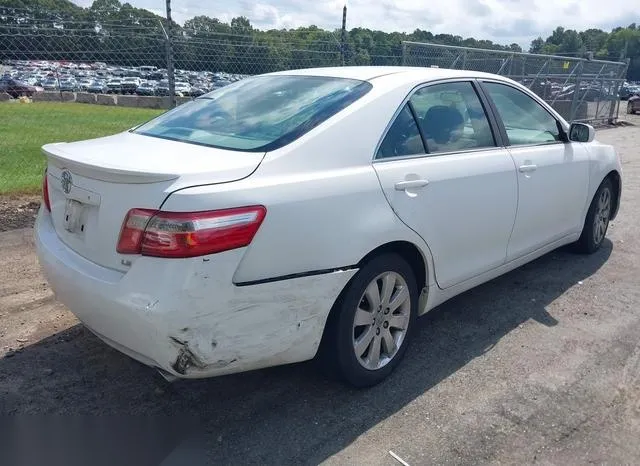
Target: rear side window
[[403, 137], [257, 114], [452, 118]]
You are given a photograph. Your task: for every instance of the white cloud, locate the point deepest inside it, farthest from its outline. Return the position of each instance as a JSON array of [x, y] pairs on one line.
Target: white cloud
[[503, 21]]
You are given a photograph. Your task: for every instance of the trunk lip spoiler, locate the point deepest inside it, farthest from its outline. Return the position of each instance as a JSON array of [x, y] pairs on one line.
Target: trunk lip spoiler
[[65, 161]]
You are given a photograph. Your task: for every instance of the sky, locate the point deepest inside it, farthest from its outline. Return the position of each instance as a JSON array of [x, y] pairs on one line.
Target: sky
[[502, 21]]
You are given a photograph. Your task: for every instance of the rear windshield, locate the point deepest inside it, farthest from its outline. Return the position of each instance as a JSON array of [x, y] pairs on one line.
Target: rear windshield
[[257, 114]]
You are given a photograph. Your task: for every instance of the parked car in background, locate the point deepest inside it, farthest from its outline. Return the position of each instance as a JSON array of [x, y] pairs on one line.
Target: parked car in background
[[217, 84], [146, 88], [114, 85], [314, 213], [197, 91], [16, 88], [183, 89], [98, 86], [586, 93], [633, 104], [30, 79], [84, 83], [129, 84], [40, 72], [68, 85], [629, 90], [49, 84], [162, 88]]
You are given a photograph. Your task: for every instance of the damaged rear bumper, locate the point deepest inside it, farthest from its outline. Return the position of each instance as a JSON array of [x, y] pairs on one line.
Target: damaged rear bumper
[[185, 316]]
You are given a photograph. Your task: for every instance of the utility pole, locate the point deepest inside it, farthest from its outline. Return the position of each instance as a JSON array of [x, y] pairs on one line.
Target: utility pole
[[170, 72], [343, 35]]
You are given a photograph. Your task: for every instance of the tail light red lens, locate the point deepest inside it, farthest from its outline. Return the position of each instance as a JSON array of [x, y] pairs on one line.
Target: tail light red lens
[[45, 191], [132, 230], [188, 234]]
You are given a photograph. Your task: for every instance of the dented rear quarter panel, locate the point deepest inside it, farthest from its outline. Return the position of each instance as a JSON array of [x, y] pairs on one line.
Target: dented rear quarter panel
[[163, 311], [229, 328]]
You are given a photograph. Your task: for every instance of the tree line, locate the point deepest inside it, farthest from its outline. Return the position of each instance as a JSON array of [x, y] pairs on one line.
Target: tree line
[[119, 33]]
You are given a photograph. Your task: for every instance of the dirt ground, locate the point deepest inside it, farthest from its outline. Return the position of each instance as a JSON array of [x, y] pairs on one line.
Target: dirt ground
[[18, 211], [540, 366]]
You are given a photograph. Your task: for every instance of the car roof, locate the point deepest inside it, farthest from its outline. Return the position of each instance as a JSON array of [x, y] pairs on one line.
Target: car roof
[[403, 73]]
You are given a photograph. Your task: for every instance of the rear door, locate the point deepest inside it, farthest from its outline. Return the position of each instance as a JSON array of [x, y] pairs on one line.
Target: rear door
[[445, 175], [553, 173]]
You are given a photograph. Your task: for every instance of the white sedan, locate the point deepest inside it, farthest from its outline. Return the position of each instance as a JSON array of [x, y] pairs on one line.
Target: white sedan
[[313, 213]]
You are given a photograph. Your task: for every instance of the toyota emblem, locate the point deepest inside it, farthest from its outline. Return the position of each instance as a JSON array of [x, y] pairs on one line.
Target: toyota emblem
[[66, 181]]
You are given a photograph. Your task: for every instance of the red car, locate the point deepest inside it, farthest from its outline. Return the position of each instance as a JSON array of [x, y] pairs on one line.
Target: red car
[[16, 88]]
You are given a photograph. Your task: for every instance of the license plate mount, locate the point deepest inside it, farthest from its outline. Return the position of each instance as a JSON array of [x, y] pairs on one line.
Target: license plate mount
[[73, 211]]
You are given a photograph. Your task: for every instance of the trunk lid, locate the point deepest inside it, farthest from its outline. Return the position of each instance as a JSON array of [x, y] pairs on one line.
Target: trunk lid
[[94, 183]]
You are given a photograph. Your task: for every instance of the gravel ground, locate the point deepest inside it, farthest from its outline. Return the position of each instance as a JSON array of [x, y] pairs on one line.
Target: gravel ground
[[18, 211], [540, 366]]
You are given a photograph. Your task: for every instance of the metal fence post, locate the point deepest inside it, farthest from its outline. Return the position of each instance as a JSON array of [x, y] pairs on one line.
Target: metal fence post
[[58, 81], [576, 91], [343, 36], [171, 78], [170, 72], [404, 53], [618, 85], [510, 70]]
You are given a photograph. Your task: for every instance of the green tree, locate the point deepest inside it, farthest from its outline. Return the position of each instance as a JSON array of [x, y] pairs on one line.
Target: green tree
[[571, 44], [593, 39], [241, 24], [120, 33], [204, 25], [537, 45]]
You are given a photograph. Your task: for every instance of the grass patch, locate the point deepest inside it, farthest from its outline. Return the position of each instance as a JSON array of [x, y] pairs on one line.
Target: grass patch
[[25, 128]]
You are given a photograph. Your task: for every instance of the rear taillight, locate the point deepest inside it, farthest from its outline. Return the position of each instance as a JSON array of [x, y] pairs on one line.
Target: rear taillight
[[135, 222], [45, 191], [188, 234]]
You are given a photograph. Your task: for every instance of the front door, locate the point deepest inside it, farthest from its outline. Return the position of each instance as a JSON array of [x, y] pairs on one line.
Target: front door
[[446, 179], [553, 174]]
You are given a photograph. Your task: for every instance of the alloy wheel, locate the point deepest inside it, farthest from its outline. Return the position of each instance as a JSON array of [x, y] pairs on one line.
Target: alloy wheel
[[601, 217], [381, 320]]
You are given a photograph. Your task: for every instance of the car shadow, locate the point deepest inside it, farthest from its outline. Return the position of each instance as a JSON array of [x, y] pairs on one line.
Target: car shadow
[[288, 414]]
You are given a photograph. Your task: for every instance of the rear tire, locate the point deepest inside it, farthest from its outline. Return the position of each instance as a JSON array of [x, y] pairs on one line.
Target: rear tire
[[370, 327], [597, 222]]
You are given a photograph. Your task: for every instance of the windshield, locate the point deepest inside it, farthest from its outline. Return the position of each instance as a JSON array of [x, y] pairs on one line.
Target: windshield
[[257, 114]]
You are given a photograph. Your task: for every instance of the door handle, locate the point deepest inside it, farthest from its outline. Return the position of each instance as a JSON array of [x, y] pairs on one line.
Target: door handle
[[527, 168], [410, 184]]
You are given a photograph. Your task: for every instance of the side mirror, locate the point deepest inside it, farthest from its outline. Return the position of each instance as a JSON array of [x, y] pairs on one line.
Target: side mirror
[[581, 132]]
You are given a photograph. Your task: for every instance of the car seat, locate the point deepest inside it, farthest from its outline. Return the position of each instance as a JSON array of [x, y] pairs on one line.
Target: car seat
[[440, 122]]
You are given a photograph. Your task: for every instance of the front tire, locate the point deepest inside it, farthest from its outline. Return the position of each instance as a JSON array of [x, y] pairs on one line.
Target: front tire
[[597, 222], [371, 324]]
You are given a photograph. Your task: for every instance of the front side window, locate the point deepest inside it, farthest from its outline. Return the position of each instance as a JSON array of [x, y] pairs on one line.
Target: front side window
[[452, 118], [525, 120], [257, 114]]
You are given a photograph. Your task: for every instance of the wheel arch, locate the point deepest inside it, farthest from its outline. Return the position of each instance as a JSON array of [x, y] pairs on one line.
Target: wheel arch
[[410, 253], [616, 179]]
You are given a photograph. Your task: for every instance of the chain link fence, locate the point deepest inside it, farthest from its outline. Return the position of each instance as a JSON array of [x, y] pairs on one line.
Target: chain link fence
[[137, 68], [579, 89]]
